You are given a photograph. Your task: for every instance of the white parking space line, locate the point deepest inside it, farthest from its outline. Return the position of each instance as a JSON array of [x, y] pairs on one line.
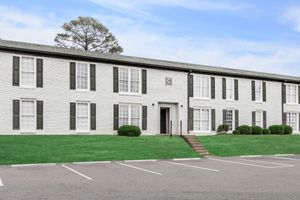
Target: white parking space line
[[76, 172], [246, 164], [132, 161], [284, 154], [141, 169], [193, 166], [286, 158], [265, 162], [1, 183]]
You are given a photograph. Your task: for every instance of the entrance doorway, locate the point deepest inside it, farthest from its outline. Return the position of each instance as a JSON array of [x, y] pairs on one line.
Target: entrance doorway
[[164, 120]]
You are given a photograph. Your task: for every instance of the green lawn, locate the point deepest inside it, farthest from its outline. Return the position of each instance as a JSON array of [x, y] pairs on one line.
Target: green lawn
[[46, 149], [235, 145]]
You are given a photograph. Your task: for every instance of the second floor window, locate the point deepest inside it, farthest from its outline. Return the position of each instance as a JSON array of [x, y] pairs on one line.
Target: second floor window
[[291, 94], [230, 89], [82, 75], [27, 72], [201, 87], [258, 91], [129, 80]]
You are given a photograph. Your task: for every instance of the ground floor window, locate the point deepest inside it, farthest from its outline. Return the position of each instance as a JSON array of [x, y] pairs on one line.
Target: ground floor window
[[129, 114], [259, 118], [28, 115], [201, 119], [292, 120], [229, 119], [82, 116]]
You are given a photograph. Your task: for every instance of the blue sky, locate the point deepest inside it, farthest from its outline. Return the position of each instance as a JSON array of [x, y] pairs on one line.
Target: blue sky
[[254, 34]]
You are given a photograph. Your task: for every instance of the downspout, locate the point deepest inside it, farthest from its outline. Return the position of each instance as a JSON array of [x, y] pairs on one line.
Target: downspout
[[282, 103], [188, 101]]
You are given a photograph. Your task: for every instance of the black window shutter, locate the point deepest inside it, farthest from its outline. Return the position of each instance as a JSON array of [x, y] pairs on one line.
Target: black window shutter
[[144, 81], [190, 85], [299, 94], [236, 117], [39, 73], [72, 75], [72, 116], [223, 88], [284, 118], [16, 114], [253, 118], [92, 77], [264, 86], [213, 119], [144, 118], [16, 71], [116, 117], [213, 87], [39, 115], [93, 116], [283, 94], [116, 80], [191, 119], [253, 90], [224, 116], [264, 119], [236, 89]]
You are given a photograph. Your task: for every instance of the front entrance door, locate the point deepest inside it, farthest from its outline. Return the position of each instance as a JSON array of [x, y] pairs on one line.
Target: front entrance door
[[164, 120]]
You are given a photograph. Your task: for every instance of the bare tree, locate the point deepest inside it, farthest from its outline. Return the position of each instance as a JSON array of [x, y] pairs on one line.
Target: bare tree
[[88, 34]]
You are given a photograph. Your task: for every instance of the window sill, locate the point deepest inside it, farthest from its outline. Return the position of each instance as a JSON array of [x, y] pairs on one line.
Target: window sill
[[291, 104], [259, 102], [83, 91], [130, 94], [230, 100], [200, 98], [27, 87]]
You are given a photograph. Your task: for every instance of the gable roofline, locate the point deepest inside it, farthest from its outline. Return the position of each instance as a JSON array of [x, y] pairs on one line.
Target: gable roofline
[[47, 50]]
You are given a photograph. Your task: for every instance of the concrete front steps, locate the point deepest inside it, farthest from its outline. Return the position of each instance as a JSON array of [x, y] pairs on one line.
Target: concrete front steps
[[193, 141]]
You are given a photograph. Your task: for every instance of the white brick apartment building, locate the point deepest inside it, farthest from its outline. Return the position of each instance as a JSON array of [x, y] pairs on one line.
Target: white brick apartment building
[[51, 90]]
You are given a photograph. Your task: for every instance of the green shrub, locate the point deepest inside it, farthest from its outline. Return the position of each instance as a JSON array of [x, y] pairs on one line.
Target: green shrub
[[266, 131], [277, 129], [223, 128], [256, 130], [245, 130], [129, 130], [236, 132], [287, 130]]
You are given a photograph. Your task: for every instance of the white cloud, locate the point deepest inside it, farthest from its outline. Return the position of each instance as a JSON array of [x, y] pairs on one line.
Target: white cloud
[[292, 16], [20, 25], [234, 53], [141, 9]]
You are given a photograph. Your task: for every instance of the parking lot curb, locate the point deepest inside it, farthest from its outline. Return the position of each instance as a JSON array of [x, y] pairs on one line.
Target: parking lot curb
[[251, 156], [179, 159], [91, 162], [35, 165]]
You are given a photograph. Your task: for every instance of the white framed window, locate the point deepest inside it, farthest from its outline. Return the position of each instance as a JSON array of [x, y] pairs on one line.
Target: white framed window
[[292, 120], [258, 91], [129, 114], [82, 116], [229, 119], [28, 115], [129, 80], [28, 72], [259, 118], [202, 119], [82, 76], [202, 86], [229, 89], [291, 93]]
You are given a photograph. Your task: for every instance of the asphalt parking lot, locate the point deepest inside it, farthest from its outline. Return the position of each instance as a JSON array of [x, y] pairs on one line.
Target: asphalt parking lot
[[268, 177]]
